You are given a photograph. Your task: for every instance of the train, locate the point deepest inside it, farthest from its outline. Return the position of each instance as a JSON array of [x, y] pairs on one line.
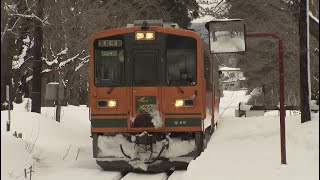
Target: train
[[153, 97]]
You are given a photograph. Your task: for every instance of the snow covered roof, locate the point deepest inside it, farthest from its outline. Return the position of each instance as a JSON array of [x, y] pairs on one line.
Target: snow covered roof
[[230, 80], [229, 69], [203, 19], [234, 79]]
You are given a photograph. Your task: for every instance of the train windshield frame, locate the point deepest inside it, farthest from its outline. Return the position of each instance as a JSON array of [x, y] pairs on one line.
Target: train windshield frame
[[181, 61], [109, 62]]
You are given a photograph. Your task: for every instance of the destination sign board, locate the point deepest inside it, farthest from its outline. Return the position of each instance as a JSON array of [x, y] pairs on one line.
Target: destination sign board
[[109, 43]]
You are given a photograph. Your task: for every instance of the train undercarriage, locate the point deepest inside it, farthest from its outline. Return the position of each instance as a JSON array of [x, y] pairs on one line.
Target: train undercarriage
[[148, 152]]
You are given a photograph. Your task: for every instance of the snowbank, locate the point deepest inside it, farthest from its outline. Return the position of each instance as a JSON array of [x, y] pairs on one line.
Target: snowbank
[[249, 148], [14, 157], [241, 148]]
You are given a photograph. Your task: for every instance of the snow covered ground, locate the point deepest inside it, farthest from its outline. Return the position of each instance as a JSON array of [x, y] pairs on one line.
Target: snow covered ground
[[241, 148], [249, 148]]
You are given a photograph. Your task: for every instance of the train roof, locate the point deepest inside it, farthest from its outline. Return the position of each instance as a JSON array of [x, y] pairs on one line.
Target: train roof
[[158, 22]]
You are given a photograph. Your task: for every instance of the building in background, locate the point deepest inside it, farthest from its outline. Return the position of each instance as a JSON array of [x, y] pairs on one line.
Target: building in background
[[232, 79]]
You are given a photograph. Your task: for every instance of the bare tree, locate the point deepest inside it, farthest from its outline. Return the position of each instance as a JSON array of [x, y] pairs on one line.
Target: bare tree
[[67, 26], [270, 16]]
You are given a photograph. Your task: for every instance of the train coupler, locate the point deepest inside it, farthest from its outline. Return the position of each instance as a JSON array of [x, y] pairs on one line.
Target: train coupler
[[144, 143]]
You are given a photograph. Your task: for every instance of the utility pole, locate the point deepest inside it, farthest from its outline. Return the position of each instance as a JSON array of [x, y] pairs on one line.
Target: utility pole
[[264, 97], [9, 108], [37, 61], [60, 97], [304, 62]]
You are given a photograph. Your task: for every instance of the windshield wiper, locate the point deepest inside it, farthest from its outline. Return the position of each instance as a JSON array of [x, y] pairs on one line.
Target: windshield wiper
[[110, 90], [180, 89]]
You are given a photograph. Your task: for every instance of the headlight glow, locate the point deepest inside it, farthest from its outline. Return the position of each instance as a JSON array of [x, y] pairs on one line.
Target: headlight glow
[[145, 35], [179, 102], [112, 103], [139, 35], [150, 35]]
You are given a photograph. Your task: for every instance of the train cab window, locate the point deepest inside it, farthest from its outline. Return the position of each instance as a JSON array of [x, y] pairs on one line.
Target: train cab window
[[181, 67], [181, 61], [109, 67]]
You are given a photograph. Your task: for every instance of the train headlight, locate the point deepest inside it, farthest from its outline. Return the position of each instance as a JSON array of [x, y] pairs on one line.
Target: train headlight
[[145, 35], [139, 35], [106, 103], [184, 103], [179, 103], [112, 103], [149, 35]]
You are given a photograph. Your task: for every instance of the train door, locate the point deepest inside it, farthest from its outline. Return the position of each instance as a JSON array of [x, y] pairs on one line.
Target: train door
[[145, 89]]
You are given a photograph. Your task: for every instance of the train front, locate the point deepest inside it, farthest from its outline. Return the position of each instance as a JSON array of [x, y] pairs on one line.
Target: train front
[[147, 98]]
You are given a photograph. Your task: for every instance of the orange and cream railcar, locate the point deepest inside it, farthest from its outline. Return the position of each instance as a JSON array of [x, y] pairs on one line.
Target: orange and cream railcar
[[151, 104]]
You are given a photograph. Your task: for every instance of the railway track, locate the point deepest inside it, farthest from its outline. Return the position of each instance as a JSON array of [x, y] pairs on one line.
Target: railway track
[[176, 175]]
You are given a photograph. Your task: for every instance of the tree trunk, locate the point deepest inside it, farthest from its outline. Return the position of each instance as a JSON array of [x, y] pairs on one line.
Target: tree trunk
[[19, 90], [304, 92], [37, 62], [6, 66], [7, 52]]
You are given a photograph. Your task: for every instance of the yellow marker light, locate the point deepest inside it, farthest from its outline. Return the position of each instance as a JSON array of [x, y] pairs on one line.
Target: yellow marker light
[[112, 103], [139, 35], [149, 35], [179, 103]]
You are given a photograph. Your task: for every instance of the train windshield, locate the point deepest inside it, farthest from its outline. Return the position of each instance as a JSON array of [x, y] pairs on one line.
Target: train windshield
[[181, 61]]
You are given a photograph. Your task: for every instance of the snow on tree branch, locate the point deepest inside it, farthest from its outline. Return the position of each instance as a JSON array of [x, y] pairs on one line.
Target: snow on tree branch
[[46, 70], [213, 7], [56, 57], [62, 64], [29, 78], [313, 17], [83, 61], [19, 60], [10, 8], [63, 52], [50, 63], [32, 16]]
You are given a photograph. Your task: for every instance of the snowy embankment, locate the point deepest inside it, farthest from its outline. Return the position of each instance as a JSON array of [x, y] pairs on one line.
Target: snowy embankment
[[55, 150], [241, 148], [249, 148]]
